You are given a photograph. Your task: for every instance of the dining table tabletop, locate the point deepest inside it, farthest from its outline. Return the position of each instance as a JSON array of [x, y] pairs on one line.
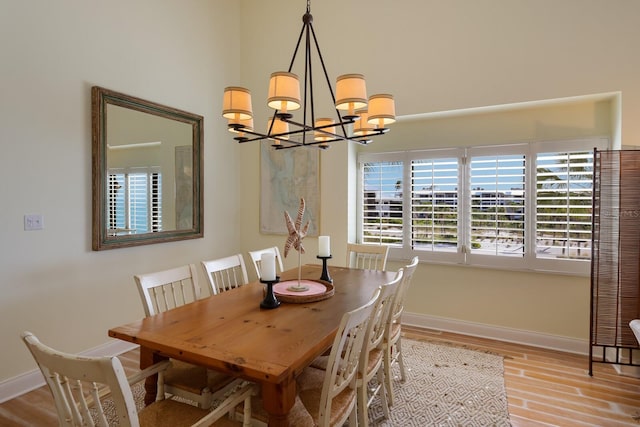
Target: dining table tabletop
[[231, 333]]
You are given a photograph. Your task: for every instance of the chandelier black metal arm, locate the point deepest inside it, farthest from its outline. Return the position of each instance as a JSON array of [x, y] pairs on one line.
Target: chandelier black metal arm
[[284, 136]]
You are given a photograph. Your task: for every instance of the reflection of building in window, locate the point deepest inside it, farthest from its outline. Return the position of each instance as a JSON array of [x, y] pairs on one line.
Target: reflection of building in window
[[134, 201]]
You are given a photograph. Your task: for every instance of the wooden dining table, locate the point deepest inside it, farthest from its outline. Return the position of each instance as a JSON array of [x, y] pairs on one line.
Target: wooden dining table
[[231, 333]]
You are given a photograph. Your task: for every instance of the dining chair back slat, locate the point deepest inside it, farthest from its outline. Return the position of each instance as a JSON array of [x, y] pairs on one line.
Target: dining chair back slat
[[225, 273], [367, 257], [167, 289]]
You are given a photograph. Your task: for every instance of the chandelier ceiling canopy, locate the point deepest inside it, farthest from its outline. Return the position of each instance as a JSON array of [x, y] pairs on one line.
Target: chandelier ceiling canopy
[[357, 118]]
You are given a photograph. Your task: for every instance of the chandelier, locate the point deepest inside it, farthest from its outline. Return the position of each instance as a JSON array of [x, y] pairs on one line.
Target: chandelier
[[357, 119]]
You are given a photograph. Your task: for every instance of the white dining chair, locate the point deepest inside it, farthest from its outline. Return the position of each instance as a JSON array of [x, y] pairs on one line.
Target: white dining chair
[[392, 344], [167, 289], [80, 386], [330, 395], [225, 273], [256, 259], [368, 257], [371, 365]]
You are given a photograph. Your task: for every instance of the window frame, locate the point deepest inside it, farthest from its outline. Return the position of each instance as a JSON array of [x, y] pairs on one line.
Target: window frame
[[463, 255]]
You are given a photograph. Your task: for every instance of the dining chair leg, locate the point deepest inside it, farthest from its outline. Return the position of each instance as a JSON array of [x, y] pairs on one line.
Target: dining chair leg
[[383, 393], [403, 376], [353, 418], [206, 400], [388, 385], [361, 405], [365, 400]]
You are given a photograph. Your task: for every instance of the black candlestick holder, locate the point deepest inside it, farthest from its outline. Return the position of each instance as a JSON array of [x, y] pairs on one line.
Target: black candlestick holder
[[270, 300], [325, 271]]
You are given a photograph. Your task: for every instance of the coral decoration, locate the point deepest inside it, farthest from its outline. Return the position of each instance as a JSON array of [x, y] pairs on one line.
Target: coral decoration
[[295, 233]]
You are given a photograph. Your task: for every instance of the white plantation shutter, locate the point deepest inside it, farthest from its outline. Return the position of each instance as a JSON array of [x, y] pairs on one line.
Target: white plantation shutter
[[116, 201], [138, 186], [134, 200], [382, 213], [434, 204], [497, 203], [564, 183], [155, 201]]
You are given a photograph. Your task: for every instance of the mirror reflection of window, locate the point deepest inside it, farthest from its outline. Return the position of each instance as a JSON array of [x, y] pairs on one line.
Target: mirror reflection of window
[[139, 139], [134, 201], [136, 206]]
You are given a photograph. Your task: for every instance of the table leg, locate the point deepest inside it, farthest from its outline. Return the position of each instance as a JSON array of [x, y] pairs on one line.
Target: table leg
[[278, 399], [148, 358]]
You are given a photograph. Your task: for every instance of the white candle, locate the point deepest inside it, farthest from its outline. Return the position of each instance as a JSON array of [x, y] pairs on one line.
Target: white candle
[[324, 248], [268, 266]]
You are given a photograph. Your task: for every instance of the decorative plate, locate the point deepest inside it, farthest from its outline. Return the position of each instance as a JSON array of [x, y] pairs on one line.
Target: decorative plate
[[316, 290]]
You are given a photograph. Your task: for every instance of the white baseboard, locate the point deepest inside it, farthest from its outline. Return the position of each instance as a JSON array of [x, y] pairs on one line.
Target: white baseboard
[[28, 381], [627, 371], [536, 339]]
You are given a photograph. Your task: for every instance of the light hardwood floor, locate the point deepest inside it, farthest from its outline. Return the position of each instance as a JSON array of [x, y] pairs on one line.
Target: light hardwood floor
[[544, 388]]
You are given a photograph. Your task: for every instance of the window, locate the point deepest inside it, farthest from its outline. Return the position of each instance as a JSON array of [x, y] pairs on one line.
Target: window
[[134, 201], [382, 219], [521, 206]]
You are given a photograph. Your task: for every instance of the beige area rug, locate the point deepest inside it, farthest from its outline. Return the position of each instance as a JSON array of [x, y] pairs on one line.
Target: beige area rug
[[445, 386]]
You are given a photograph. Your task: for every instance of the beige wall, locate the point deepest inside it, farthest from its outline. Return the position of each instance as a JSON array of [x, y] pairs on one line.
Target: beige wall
[[432, 55], [179, 54]]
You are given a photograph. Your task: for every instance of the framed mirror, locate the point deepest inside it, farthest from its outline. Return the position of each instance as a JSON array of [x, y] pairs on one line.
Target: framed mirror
[[147, 171]]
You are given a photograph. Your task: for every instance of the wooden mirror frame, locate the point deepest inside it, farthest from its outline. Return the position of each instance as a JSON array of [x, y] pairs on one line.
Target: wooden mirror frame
[[101, 240]]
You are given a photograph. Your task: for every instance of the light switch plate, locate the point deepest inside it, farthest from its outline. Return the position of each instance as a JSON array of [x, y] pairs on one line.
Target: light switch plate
[[33, 222]]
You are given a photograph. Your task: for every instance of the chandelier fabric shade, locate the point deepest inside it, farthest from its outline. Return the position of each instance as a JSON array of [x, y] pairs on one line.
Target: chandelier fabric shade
[[324, 127], [284, 92], [357, 119], [382, 110], [277, 128], [351, 93], [362, 127], [236, 103]]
